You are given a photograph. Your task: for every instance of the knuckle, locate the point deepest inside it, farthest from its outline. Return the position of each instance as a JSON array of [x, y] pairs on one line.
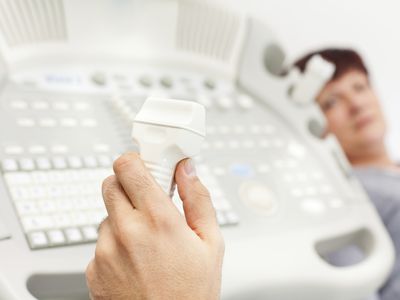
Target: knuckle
[[160, 219], [221, 244], [124, 231], [101, 226], [121, 163], [110, 190], [129, 235], [90, 272], [142, 180], [124, 161], [201, 191], [102, 254]]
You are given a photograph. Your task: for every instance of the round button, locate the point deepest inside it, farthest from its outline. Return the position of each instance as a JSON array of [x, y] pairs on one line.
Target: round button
[[99, 78], [259, 197], [313, 206], [297, 150]]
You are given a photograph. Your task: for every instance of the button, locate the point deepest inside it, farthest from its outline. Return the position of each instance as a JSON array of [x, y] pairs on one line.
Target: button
[[268, 129], [26, 207], [225, 102], [37, 149], [18, 178], [234, 144], [248, 144], [59, 149], [217, 193], [89, 123], [68, 122], [264, 143], [259, 197], [75, 162], [37, 239], [4, 232], [20, 105], [59, 162], [219, 171], [224, 129], [47, 122], [45, 206], [205, 145], [90, 233], [13, 150], [26, 164], [32, 223], [43, 163], [310, 191], [279, 164], [255, 129], [277, 143], [166, 82], [40, 105], [288, 177], [218, 144], [73, 235], [104, 161], [99, 78], [317, 175], [210, 130], [297, 150], [336, 203], [232, 217], [313, 206], [119, 77], [221, 218], [245, 101], [238, 129], [9, 165], [101, 148], [209, 84], [242, 170], [56, 237], [325, 189], [60, 106], [302, 177], [81, 106], [263, 168], [145, 81], [90, 161], [220, 203], [25, 122], [297, 193]]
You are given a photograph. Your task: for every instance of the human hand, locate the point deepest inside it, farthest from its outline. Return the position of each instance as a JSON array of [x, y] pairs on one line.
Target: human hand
[[146, 249]]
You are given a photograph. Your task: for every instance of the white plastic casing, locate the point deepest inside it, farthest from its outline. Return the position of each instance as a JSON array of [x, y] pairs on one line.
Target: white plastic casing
[[318, 71], [166, 132]]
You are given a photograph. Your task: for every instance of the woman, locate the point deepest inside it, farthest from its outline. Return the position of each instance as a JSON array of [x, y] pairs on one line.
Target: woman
[[354, 116]]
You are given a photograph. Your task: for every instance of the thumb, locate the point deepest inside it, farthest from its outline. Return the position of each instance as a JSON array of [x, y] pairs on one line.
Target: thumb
[[197, 205]]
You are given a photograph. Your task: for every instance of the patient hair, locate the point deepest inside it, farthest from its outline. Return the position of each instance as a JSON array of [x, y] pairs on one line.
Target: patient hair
[[344, 60]]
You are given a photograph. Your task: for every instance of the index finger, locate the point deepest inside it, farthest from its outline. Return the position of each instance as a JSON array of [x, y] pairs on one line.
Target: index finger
[[142, 190]]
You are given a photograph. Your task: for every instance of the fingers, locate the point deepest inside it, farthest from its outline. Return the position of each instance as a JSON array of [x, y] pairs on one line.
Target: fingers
[[199, 211], [138, 183], [116, 201]]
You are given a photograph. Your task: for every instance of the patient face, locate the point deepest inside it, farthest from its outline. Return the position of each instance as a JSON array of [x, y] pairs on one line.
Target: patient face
[[353, 113]]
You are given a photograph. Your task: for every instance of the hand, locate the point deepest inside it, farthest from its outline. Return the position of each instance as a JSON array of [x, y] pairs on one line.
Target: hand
[[146, 249]]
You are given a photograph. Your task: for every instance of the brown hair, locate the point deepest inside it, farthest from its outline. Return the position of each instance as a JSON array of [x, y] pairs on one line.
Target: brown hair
[[343, 59]]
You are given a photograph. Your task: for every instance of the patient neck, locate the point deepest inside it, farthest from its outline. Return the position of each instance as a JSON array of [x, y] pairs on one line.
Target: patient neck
[[377, 157]]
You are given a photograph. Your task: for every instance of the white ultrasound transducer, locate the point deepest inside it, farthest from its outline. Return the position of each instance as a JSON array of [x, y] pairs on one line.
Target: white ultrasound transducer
[[168, 131]]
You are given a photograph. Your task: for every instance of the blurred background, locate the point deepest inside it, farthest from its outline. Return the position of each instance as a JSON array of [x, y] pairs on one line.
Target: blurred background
[[369, 26]]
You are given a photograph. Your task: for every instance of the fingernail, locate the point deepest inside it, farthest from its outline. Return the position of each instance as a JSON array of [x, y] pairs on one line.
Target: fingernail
[[189, 167]]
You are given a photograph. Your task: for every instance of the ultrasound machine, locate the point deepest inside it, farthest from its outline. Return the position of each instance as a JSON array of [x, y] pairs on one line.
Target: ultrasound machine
[[74, 74]]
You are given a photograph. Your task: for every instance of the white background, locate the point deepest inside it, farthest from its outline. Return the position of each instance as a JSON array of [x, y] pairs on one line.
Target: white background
[[372, 27]]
